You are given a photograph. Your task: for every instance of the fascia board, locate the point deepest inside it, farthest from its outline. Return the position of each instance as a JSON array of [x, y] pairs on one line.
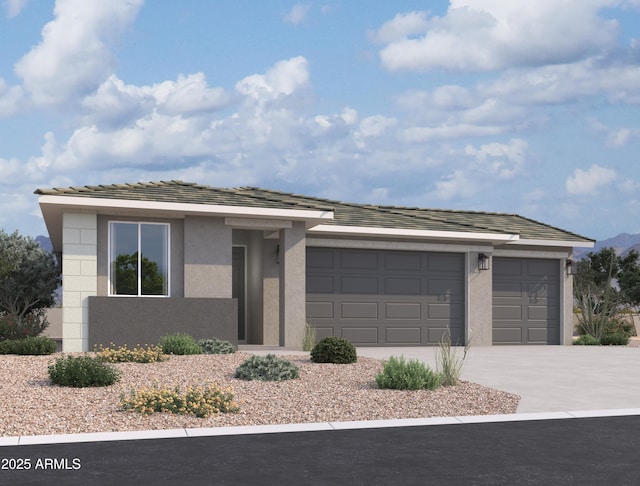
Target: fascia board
[[184, 208], [412, 233], [561, 243]]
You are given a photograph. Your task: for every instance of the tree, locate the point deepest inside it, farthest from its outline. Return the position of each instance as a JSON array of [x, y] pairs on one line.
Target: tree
[[126, 275], [29, 277], [603, 285]]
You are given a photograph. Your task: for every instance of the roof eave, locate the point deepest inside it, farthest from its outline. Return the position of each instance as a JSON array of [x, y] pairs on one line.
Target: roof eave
[[337, 230], [559, 243]]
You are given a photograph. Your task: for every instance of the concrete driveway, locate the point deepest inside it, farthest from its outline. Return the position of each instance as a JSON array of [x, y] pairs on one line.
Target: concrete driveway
[[547, 378]]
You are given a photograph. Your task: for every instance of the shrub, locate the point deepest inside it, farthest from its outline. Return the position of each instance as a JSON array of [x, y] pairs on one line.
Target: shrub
[[267, 368], [199, 401], [82, 371], [399, 374], [216, 346], [449, 364], [586, 340], [30, 325], [38, 345], [614, 339], [334, 349], [179, 343], [309, 337], [148, 354]]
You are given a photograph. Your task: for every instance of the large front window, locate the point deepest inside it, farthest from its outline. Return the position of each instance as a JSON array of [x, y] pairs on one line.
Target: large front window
[[139, 259]]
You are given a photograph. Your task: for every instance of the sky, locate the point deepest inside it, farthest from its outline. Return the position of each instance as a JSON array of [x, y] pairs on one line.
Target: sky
[[487, 105]]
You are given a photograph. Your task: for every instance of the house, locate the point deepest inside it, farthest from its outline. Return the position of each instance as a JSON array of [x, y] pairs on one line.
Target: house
[[253, 265]]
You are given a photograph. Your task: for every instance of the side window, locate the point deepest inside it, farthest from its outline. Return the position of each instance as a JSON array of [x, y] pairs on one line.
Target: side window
[[138, 259]]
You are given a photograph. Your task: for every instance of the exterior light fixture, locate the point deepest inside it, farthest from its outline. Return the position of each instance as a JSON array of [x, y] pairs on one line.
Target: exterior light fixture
[[483, 261], [569, 266]]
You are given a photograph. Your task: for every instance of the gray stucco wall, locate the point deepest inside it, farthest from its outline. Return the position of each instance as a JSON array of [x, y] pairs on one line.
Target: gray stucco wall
[[143, 320]]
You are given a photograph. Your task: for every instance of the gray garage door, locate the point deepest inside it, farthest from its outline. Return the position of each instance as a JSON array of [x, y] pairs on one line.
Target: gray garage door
[[385, 298], [526, 301]]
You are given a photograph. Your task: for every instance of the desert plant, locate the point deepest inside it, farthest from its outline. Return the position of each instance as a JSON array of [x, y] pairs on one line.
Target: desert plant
[[448, 363], [82, 371], [586, 340], [614, 339], [399, 374], [179, 343], [14, 327], [198, 401], [334, 349], [139, 354], [38, 345], [267, 368], [309, 337], [216, 346]]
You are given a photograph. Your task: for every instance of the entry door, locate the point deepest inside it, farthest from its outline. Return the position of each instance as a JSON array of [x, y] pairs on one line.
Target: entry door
[[239, 290]]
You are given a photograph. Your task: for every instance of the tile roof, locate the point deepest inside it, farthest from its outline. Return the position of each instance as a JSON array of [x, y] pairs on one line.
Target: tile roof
[[345, 214]]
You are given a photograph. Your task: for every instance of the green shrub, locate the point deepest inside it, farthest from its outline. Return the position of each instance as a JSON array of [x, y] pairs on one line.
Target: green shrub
[[15, 327], [198, 401], [216, 346], [586, 340], [179, 343], [38, 345], [614, 339], [267, 368], [620, 326], [82, 371], [399, 374], [334, 349], [148, 354], [309, 337]]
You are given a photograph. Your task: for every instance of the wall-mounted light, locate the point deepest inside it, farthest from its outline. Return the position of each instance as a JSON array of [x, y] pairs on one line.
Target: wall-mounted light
[[483, 261], [278, 254], [569, 266]]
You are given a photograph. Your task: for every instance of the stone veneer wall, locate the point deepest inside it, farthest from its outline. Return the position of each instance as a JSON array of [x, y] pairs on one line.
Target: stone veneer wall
[[79, 278]]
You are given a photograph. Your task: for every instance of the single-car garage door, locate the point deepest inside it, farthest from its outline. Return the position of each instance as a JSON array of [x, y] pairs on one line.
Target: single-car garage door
[[526, 301], [385, 298]]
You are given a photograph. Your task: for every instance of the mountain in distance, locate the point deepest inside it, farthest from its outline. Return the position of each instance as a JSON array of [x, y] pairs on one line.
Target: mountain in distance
[[622, 244], [44, 242]]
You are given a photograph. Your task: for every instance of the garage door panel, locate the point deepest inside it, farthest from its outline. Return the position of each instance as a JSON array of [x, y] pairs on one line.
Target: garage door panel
[[320, 284], [403, 310], [542, 268], [402, 286], [320, 310], [359, 310], [386, 303], [404, 335], [436, 335], [360, 335], [507, 312], [507, 335], [537, 335], [405, 262], [507, 290], [359, 285], [359, 260], [507, 267], [323, 332]]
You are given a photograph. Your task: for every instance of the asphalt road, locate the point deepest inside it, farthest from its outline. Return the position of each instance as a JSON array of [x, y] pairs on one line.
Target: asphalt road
[[585, 451]]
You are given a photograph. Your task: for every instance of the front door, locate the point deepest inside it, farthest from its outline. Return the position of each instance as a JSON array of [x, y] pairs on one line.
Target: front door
[[239, 290]]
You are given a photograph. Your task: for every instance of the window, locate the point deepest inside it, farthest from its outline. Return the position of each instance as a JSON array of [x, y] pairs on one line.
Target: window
[[138, 259]]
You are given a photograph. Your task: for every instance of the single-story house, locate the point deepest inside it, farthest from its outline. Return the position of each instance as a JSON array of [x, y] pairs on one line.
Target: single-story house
[[252, 266]]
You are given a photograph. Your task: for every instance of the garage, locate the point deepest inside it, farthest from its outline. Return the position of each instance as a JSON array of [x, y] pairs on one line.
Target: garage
[[385, 297], [526, 301]]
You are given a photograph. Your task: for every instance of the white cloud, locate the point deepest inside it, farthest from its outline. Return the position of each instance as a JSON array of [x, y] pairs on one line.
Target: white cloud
[[79, 36], [503, 161], [588, 182], [297, 14], [282, 79], [480, 35], [401, 27], [14, 7], [11, 99], [455, 185]]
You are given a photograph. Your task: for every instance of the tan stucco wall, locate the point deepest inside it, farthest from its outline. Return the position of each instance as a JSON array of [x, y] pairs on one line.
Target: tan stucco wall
[[293, 294]]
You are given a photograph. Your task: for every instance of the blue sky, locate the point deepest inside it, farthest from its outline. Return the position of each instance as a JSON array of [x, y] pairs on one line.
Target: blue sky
[[490, 105]]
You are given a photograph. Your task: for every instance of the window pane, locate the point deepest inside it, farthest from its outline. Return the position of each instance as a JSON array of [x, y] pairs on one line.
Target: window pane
[[154, 261], [124, 259]]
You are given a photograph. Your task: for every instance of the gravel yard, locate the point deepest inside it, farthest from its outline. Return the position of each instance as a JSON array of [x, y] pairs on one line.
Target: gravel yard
[[30, 405]]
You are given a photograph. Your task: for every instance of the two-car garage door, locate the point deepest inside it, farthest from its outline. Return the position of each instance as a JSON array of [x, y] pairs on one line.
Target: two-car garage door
[[385, 297], [393, 298]]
